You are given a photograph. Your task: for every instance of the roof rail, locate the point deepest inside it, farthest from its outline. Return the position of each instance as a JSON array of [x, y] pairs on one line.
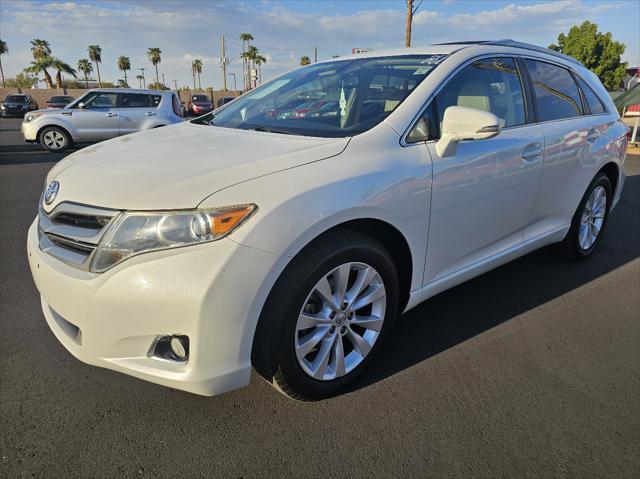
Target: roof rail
[[512, 43]]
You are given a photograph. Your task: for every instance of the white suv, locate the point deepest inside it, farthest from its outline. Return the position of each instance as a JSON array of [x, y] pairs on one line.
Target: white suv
[[100, 115], [288, 229]]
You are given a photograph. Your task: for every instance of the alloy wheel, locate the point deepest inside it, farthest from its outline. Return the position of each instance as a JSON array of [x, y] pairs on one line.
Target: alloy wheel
[[340, 321], [592, 218], [55, 140]]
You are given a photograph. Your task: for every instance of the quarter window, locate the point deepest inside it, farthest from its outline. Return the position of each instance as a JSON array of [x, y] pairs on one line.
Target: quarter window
[[595, 105], [556, 92]]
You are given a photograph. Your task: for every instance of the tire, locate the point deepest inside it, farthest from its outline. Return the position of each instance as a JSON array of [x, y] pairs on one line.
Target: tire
[[581, 242], [281, 338], [54, 139]]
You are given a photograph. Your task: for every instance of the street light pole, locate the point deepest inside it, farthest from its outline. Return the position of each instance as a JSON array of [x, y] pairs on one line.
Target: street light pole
[[235, 88], [144, 82]]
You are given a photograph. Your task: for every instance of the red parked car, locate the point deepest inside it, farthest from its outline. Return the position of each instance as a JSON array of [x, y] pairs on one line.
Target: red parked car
[[200, 104], [59, 101]]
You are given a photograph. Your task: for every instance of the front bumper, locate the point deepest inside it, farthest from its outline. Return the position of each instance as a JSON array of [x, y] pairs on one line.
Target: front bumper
[[112, 319], [29, 131], [13, 113]]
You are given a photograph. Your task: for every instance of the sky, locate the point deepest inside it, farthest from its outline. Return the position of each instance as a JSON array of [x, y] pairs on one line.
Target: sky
[[284, 30]]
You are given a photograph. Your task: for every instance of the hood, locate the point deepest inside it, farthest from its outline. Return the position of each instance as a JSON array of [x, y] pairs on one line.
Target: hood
[[177, 166]]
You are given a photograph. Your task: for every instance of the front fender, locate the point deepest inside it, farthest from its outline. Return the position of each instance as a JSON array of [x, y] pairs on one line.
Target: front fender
[[54, 120]]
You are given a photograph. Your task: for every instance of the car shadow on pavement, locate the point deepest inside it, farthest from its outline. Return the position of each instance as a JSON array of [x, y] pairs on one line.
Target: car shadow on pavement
[[482, 303]]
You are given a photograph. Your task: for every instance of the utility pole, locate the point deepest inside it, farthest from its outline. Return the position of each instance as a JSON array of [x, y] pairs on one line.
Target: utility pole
[[315, 55], [144, 82], [175, 84], [235, 88], [223, 61], [407, 38]]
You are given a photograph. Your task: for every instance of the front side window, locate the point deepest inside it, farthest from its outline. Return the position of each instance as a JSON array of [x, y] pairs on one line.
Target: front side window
[[134, 100], [595, 105], [556, 93], [100, 100], [490, 84], [332, 99]]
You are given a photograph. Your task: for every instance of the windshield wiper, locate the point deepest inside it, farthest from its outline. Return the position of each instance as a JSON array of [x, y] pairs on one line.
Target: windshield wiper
[[274, 130]]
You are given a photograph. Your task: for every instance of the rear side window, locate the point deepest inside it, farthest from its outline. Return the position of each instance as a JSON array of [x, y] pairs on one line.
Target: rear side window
[[556, 92], [134, 100], [177, 107], [595, 105], [490, 84]]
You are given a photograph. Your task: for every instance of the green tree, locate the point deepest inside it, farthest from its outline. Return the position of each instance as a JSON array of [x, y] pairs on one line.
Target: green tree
[[157, 86], [86, 67], [305, 60], [4, 49], [21, 80], [597, 51], [40, 65], [260, 60], [155, 58], [124, 64], [95, 54], [246, 38], [40, 48], [197, 70], [61, 67]]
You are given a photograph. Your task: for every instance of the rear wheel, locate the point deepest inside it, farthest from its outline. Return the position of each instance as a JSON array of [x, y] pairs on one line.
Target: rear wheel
[[54, 139], [589, 221], [327, 316]]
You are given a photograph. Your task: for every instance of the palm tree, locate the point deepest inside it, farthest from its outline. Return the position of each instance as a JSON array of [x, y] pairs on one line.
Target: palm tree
[[40, 48], [4, 49], [61, 67], [251, 54], [154, 57], [197, 70], [86, 67], [305, 60], [140, 78], [246, 38], [95, 54], [123, 65], [260, 60], [40, 65]]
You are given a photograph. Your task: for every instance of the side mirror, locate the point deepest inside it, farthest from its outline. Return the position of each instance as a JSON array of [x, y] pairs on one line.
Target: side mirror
[[462, 123], [81, 105]]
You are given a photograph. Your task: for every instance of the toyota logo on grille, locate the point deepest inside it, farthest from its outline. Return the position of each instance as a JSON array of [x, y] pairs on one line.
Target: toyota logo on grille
[[51, 192]]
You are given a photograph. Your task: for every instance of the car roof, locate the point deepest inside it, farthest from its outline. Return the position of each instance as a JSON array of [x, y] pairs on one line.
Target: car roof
[[131, 90], [452, 47]]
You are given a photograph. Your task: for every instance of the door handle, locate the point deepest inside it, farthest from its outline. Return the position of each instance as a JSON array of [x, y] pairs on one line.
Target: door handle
[[532, 151], [593, 135], [150, 113], [109, 115]]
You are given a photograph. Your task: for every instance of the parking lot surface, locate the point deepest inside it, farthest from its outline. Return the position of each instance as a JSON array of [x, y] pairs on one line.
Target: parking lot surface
[[531, 370]]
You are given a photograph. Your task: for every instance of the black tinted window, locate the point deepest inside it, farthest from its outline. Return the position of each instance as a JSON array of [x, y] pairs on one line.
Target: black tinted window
[[556, 92], [492, 85], [16, 99], [134, 100], [595, 105], [202, 98], [155, 100], [100, 100]]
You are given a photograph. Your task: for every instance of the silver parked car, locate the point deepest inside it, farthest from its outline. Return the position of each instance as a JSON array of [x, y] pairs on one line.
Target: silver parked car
[[99, 115]]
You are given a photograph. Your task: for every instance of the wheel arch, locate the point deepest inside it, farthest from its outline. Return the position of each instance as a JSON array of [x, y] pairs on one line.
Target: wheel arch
[[54, 125], [612, 170]]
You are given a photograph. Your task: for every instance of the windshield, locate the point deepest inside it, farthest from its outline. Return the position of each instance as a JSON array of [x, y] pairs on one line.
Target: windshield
[[333, 99], [201, 98], [16, 99], [60, 99]]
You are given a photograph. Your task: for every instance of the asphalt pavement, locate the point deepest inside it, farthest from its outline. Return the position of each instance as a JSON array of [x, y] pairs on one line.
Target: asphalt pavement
[[531, 370]]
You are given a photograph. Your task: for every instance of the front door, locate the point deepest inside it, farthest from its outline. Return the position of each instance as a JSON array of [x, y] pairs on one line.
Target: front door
[[482, 194], [98, 118]]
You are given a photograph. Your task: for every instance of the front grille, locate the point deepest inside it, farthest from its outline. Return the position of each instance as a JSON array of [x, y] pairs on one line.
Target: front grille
[[71, 232]]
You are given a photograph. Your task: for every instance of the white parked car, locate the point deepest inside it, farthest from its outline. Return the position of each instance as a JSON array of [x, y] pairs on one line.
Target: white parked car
[[291, 242], [99, 115]]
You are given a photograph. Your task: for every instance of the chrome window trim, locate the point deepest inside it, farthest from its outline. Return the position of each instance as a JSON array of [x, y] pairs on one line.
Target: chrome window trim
[[444, 82]]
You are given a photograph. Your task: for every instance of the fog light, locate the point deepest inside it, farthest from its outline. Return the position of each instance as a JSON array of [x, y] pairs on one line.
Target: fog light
[[172, 348]]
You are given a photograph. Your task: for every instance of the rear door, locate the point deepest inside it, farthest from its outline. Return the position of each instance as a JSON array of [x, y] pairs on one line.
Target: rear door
[[98, 119], [137, 111], [569, 136], [482, 195]]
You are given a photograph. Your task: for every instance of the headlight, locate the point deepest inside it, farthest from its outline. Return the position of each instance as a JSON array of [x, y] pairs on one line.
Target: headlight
[[135, 233], [2, 107], [30, 117]]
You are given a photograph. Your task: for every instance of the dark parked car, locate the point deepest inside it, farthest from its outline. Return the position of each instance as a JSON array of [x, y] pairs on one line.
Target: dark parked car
[[17, 105], [59, 101], [199, 105], [224, 100]]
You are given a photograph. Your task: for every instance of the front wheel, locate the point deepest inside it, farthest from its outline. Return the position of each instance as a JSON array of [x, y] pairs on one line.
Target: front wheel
[[327, 316], [54, 139]]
